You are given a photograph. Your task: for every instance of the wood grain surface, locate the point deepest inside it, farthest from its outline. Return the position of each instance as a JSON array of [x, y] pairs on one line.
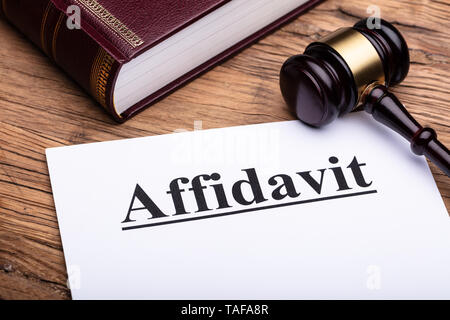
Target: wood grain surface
[[41, 107]]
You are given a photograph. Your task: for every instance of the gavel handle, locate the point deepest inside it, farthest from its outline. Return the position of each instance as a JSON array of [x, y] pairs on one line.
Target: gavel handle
[[387, 109]]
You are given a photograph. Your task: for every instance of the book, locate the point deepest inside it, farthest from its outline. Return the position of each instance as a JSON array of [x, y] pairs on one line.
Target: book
[[267, 211], [128, 55]]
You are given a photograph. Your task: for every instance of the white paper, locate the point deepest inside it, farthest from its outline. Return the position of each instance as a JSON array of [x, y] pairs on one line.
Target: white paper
[[392, 244]]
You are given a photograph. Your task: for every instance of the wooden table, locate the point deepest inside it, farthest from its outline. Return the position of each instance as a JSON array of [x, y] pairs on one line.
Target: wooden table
[[40, 107]]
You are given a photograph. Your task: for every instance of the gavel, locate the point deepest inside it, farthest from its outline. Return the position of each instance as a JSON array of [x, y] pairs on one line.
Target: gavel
[[353, 67]]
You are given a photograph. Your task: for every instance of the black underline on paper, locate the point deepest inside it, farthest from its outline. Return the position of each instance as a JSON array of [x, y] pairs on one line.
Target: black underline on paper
[[347, 195]]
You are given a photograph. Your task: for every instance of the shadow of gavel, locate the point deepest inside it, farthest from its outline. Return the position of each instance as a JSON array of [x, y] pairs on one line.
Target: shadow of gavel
[[352, 67]]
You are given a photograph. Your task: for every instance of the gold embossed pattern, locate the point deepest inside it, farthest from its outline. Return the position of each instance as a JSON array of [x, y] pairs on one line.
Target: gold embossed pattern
[[100, 73], [112, 22]]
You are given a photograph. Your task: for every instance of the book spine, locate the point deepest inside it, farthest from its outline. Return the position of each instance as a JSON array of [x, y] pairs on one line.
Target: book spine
[[69, 47]]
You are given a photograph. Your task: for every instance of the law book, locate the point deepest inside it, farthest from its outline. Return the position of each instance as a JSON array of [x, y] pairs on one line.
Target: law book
[[130, 54]]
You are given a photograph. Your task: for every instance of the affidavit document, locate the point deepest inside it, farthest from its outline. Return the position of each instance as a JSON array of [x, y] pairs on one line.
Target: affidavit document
[[269, 211]]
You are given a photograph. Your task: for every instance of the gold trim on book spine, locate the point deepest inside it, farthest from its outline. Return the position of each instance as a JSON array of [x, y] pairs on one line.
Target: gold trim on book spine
[[93, 75], [55, 34], [43, 24], [112, 22], [100, 73], [3, 8]]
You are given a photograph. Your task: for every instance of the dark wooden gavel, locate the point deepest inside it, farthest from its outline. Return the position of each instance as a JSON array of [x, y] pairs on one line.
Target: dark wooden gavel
[[352, 67]]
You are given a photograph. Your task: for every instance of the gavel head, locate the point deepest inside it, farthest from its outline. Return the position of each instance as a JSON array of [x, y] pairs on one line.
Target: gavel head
[[330, 77]]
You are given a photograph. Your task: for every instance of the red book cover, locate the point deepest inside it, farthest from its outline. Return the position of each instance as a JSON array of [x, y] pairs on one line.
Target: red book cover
[[112, 33]]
